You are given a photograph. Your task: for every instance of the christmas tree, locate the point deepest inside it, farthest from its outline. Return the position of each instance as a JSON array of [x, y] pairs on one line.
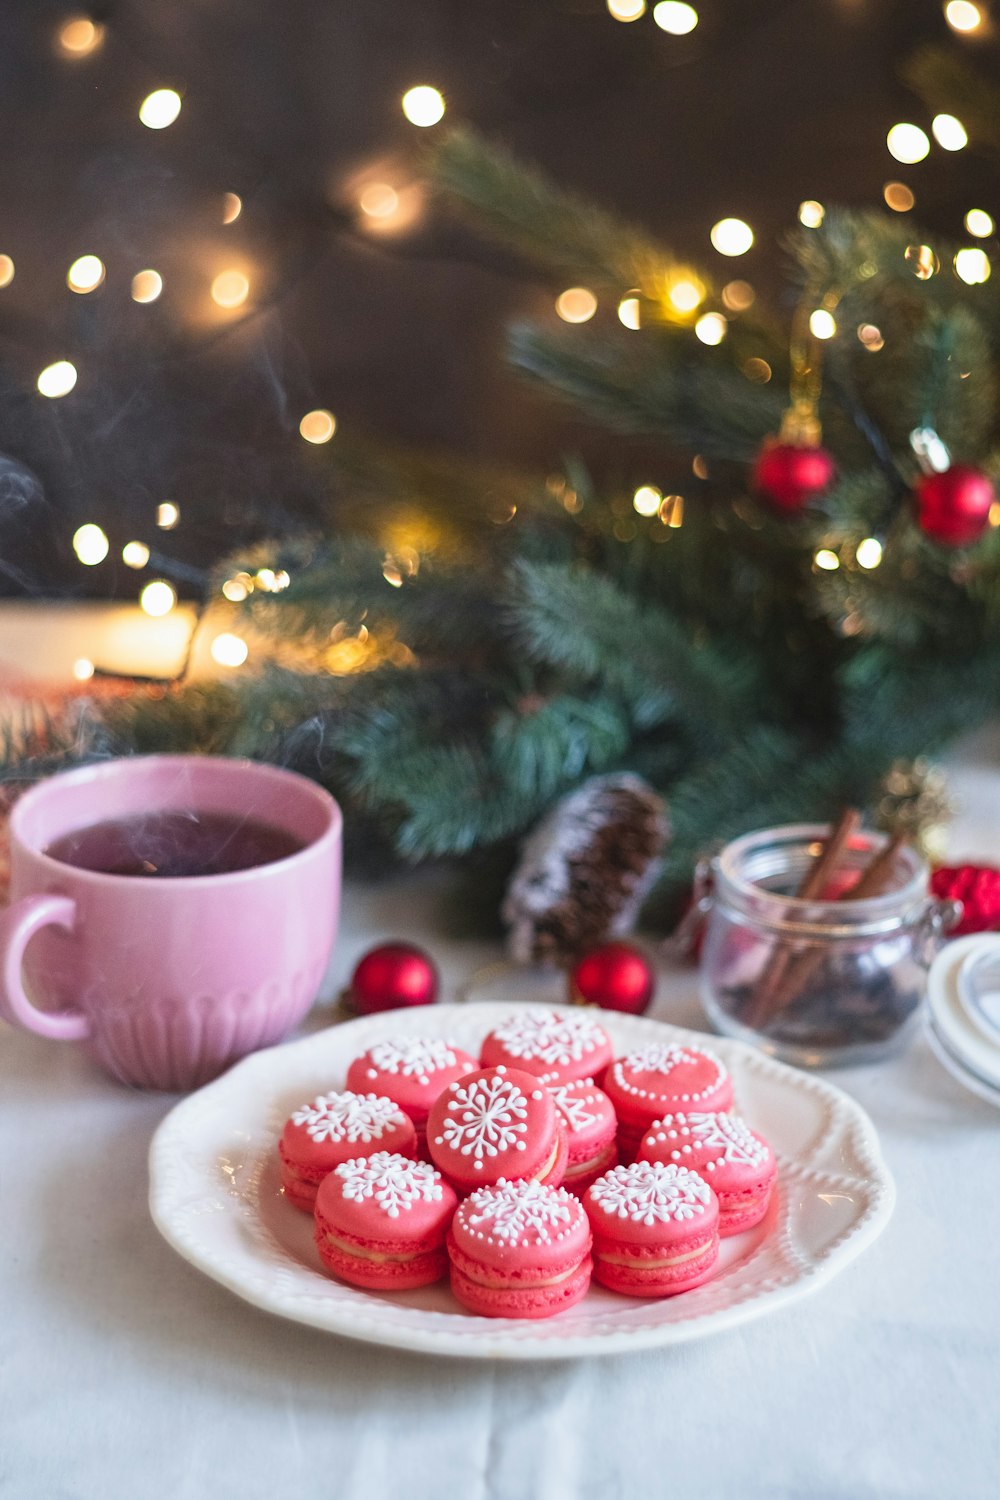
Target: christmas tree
[[760, 630]]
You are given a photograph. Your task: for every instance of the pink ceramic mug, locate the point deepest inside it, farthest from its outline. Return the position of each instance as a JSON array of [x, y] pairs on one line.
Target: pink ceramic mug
[[169, 980]]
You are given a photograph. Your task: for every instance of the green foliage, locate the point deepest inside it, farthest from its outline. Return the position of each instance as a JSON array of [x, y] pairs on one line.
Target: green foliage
[[526, 634]]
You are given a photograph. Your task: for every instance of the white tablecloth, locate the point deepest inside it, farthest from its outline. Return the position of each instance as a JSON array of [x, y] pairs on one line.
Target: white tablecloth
[[126, 1375]]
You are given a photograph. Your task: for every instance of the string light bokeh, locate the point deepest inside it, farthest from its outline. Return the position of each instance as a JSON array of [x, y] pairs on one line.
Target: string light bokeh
[[220, 271]]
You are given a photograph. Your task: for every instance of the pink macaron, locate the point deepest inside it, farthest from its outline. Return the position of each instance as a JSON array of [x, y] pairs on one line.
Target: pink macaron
[[496, 1122], [519, 1250], [412, 1071], [557, 1045], [659, 1079], [723, 1150], [332, 1129], [591, 1127], [382, 1222], [656, 1229]]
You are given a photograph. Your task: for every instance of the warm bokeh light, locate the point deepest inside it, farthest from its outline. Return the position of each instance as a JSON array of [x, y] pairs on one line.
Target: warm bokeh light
[[576, 305], [83, 669], [950, 134], [711, 328], [922, 261], [146, 286], [239, 588], [79, 36], [685, 295], [827, 560], [646, 500], [423, 105], [811, 213], [979, 223], [58, 379], [157, 598], [898, 197], [907, 143], [630, 312], [232, 207], [962, 15], [167, 515], [671, 510], [378, 200], [318, 426], [674, 17], [230, 289], [972, 265], [757, 370], [871, 337], [135, 554], [270, 581], [869, 553], [738, 296], [627, 10], [90, 544], [822, 324], [731, 237], [229, 650], [160, 108], [85, 274], [6, 270]]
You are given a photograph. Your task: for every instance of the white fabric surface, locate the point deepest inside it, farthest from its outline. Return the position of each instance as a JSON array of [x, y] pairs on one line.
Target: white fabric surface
[[126, 1375]]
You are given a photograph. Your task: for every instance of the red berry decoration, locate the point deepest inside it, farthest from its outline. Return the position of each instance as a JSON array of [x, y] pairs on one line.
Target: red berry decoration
[[392, 976], [953, 507], [978, 889], [615, 976], [788, 475]]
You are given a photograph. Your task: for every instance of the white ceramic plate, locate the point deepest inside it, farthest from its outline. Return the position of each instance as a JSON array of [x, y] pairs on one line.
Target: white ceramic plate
[[215, 1196]]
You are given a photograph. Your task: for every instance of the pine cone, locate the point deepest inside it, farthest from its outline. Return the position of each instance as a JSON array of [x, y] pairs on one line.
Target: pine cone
[[585, 870]]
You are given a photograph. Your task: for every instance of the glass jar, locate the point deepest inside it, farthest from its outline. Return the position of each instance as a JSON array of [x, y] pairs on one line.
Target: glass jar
[[815, 982]]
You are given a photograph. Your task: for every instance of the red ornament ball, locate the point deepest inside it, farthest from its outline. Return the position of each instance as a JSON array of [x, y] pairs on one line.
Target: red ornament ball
[[953, 508], [788, 475], [978, 889], [615, 976], [392, 976]]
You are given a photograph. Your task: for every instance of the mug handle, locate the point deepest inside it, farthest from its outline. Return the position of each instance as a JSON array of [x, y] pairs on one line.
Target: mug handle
[[18, 926]]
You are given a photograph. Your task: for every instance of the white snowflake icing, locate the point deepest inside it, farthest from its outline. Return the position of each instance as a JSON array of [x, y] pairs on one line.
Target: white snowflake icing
[[413, 1057], [664, 1058], [348, 1117], [514, 1210], [393, 1181], [573, 1107], [548, 1036], [659, 1057], [726, 1136], [484, 1117], [648, 1191]]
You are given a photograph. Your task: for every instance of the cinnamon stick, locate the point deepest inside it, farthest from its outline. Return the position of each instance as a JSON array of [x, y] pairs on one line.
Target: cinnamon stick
[[810, 888], [875, 880]]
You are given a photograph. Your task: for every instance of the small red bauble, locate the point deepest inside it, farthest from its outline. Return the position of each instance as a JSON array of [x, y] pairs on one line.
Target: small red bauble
[[788, 475], [392, 976], [615, 976], [953, 508], [978, 889]]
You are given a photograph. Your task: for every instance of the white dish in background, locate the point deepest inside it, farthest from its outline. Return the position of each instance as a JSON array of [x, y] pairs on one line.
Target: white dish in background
[[215, 1196], [962, 1008]]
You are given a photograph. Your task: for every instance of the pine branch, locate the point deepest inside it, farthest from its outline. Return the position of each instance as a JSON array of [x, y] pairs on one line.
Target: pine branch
[[563, 233], [648, 386], [583, 623]]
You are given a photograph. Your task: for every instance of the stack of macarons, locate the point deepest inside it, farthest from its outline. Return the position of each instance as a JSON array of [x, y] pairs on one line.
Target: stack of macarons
[[528, 1170]]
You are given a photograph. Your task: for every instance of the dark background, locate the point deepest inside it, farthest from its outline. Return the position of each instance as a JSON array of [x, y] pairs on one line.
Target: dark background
[[292, 103]]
